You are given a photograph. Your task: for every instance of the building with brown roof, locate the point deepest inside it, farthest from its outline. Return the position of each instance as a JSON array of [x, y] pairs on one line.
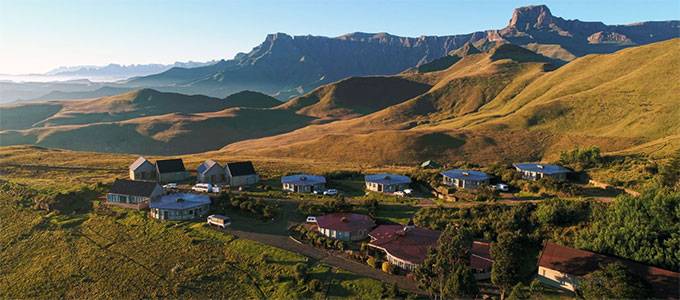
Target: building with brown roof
[[405, 246], [408, 246], [561, 267], [345, 226]]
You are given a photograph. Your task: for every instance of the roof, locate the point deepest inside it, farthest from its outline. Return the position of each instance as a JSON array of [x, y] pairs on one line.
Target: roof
[[480, 256], [541, 168], [466, 174], [345, 222], [206, 166], [180, 201], [410, 243], [580, 262], [388, 179], [133, 187], [431, 164], [303, 179], [170, 165], [241, 168], [138, 163]]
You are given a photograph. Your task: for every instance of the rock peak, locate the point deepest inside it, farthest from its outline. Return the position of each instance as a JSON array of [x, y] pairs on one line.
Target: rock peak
[[531, 16]]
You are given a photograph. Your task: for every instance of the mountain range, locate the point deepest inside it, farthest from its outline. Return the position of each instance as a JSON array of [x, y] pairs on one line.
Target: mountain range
[[286, 67], [507, 102]]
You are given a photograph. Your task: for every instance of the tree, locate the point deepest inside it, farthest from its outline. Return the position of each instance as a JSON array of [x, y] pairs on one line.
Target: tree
[[462, 284], [613, 281], [579, 159], [486, 193], [389, 268], [454, 250], [506, 264], [518, 292], [535, 290], [314, 285], [670, 173]]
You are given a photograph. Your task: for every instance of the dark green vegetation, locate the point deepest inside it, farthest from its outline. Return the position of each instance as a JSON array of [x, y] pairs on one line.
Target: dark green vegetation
[[445, 273], [614, 281]]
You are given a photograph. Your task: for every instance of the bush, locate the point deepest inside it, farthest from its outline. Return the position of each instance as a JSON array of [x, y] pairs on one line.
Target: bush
[[580, 159], [485, 193], [389, 268], [373, 262], [314, 285]]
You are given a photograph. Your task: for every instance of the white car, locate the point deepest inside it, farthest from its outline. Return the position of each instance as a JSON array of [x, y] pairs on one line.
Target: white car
[[317, 192], [330, 192], [170, 186], [400, 193], [202, 187], [408, 191], [219, 220], [311, 219], [501, 187]]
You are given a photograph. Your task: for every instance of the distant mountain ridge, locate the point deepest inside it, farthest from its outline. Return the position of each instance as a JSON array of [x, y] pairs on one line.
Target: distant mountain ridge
[[288, 66], [122, 71]]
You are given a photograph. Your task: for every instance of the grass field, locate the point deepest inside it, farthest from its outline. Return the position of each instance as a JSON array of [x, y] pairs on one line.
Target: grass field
[[128, 255]]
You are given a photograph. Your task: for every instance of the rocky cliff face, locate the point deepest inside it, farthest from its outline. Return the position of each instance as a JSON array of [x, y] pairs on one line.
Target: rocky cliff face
[[287, 66]]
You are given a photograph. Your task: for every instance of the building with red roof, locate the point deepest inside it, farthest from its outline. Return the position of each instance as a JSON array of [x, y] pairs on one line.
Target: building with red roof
[[408, 246], [345, 226], [562, 266]]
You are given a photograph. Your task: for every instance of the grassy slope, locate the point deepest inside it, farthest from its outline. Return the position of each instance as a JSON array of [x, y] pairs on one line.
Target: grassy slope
[[90, 255], [631, 93], [356, 96], [612, 101]]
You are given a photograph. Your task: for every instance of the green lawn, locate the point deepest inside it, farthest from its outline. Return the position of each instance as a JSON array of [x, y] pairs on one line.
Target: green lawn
[[128, 255]]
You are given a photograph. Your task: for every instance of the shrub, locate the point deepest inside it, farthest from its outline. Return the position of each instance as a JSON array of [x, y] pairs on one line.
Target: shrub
[[486, 193], [373, 262], [314, 285], [389, 268]]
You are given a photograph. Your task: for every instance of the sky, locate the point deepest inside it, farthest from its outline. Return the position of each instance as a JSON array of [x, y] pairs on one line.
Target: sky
[[38, 36]]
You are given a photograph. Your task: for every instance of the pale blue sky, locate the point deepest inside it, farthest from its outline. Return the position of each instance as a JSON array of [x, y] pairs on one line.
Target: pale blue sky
[[37, 36]]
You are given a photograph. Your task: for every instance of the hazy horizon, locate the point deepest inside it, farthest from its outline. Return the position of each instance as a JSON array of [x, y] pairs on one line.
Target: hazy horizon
[[39, 36]]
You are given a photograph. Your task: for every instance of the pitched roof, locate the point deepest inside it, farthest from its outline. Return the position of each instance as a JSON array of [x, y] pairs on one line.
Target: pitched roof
[[466, 174], [206, 166], [241, 168], [580, 262], [303, 179], [133, 187], [388, 179], [139, 162], [170, 165], [345, 222], [410, 243], [541, 168], [180, 201]]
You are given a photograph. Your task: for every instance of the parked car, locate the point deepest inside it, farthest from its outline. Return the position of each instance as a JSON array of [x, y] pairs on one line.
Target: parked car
[[311, 219], [408, 191], [317, 192], [330, 192], [202, 187], [170, 186], [400, 193], [243, 188], [219, 220], [501, 187]]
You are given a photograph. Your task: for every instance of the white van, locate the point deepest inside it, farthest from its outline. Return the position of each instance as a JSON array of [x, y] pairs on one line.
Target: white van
[[219, 220], [311, 219], [202, 187]]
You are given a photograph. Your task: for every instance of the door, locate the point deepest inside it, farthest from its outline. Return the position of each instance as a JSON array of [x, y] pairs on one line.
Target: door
[[165, 215]]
